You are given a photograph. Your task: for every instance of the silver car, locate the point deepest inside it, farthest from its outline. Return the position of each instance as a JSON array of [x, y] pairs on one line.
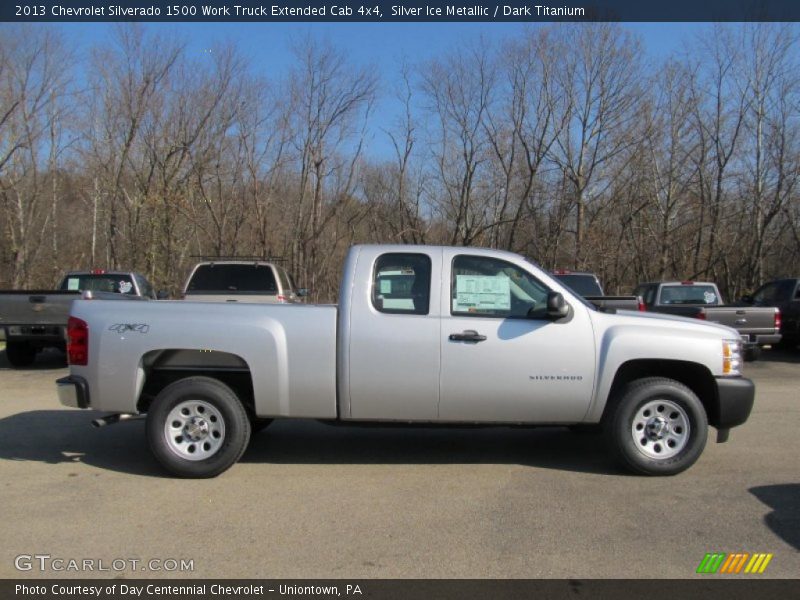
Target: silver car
[[253, 281]]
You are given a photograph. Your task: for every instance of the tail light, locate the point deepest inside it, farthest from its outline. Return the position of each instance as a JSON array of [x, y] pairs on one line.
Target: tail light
[[642, 307], [702, 314], [778, 321], [77, 341], [282, 299]]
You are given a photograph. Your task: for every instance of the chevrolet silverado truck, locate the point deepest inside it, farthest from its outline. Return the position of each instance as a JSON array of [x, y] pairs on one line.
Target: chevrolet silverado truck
[[31, 320], [421, 334], [783, 294], [757, 326], [588, 286]]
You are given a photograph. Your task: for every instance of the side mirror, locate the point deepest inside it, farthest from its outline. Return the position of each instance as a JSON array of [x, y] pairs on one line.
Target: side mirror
[[557, 307], [302, 292], [162, 295], [747, 299]]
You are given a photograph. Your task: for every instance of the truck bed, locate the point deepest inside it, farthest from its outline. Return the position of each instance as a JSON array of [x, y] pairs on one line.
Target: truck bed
[[289, 349]]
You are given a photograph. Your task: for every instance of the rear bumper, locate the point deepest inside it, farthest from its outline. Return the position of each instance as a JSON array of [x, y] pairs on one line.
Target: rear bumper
[[761, 340], [736, 397], [73, 391]]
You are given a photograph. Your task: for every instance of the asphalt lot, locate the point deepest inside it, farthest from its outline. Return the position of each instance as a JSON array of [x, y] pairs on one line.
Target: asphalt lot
[[310, 500]]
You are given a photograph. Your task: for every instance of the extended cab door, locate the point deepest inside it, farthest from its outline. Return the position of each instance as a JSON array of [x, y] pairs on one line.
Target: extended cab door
[[503, 360], [389, 334]]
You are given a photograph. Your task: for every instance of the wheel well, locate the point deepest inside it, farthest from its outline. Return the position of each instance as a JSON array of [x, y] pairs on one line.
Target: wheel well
[[163, 367], [694, 376]]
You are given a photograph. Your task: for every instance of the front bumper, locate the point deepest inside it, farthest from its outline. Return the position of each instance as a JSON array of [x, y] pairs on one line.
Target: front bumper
[[73, 391], [735, 397]]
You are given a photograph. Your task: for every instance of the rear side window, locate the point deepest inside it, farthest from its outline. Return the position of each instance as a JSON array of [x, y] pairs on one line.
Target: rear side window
[[585, 285], [286, 281], [228, 279], [144, 286], [106, 282], [402, 284]]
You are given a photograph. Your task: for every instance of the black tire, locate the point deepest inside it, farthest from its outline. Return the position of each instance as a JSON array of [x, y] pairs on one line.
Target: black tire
[[752, 353], [586, 429], [20, 354], [686, 431], [257, 424], [222, 425]]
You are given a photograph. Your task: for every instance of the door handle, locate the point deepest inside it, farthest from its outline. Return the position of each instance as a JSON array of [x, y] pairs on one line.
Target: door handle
[[470, 335]]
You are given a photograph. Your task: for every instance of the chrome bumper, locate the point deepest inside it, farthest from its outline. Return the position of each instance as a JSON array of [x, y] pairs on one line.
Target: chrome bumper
[[73, 392]]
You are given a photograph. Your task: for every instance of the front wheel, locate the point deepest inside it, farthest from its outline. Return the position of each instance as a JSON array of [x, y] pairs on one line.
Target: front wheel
[[197, 427], [658, 427]]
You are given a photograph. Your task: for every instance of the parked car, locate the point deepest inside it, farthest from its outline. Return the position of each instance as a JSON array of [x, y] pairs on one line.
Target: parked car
[[31, 320], [702, 300], [588, 286], [783, 294], [421, 334], [241, 281]]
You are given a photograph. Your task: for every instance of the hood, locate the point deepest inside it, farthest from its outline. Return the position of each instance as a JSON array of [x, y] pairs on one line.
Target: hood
[[675, 322]]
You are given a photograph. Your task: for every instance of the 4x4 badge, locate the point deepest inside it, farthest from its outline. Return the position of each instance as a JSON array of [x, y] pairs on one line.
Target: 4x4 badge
[[125, 327]]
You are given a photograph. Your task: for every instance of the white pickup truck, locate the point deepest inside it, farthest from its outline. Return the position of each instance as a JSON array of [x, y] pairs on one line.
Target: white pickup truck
[[421, 335]]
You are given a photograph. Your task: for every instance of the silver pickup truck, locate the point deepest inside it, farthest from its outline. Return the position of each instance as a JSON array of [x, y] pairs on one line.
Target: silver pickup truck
[[758, 326], [421, 335]]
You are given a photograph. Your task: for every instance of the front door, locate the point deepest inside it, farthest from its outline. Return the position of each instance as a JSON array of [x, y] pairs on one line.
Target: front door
[[502, 359]]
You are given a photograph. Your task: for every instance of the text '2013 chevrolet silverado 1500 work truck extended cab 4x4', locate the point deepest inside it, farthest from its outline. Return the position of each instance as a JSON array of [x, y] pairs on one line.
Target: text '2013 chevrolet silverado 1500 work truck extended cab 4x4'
[[421, 334]]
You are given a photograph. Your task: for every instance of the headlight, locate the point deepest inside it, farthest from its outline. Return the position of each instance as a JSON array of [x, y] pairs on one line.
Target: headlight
[[731, 357]]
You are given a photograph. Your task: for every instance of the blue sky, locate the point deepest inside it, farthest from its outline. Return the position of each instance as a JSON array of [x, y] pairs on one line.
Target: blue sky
[[382, 45]]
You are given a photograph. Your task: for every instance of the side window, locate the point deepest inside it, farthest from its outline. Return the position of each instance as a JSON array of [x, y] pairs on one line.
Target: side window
[[283, 277], [647, 292], [488, 287], [766, 294], [144, 286], [784, 292], [401, 284]]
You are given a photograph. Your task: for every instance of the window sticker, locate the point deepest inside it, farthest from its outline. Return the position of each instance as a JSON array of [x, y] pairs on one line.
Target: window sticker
[[73, 284], [710, 297], [125, 287], [386, 286], [476, 293]]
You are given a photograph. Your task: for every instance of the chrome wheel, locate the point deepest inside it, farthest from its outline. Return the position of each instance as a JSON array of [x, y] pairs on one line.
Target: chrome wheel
[[660, 429], [194, 429]]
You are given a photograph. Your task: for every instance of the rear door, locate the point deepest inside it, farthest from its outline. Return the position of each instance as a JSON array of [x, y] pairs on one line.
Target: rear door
[[503, 360], [393, 328]]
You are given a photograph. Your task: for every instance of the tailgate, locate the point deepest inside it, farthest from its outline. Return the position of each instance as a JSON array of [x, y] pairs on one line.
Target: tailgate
[[750, 320], [35, 307]]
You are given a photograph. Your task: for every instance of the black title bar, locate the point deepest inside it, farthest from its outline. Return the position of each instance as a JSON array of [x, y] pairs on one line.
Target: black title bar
[[402, 10]]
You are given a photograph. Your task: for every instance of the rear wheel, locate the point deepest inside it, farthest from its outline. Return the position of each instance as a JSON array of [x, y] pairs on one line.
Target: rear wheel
[[658, 427], [20, 354], [197, 427]]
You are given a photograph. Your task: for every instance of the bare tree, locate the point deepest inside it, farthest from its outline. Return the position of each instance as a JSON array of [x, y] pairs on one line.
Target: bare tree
[[34, 75]]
